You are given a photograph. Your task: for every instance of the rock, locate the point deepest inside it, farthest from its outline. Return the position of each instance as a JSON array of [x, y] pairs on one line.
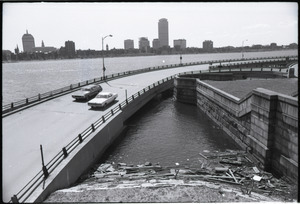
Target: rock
[[148, 164], [121, 164], [103, 167]]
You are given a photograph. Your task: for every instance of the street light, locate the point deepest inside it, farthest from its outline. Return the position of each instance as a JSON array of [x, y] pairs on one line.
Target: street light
[[243, 48], [103, 55]]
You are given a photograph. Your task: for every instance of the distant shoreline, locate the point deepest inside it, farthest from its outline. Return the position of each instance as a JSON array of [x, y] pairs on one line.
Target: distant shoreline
[[143, 55]]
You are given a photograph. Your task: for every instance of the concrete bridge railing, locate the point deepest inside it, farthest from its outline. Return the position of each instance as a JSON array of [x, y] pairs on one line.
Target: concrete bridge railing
[[30, 101], [263, 120], [24, 194]]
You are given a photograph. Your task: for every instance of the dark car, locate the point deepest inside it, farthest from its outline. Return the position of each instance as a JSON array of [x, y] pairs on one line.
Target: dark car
[[87, 92]]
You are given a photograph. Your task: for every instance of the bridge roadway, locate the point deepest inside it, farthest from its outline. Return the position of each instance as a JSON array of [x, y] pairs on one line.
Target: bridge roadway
[[55, 123]]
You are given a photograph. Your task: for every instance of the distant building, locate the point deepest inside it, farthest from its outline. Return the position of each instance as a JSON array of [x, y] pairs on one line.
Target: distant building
[[28, 42], [258, 46], [128, 44], [43, 49], [163, 32], [208, 45], [17, 50], [70, 48], [293, 46], [180, 44], [155, 44], [6, 55], [144, 44], [273, 46]]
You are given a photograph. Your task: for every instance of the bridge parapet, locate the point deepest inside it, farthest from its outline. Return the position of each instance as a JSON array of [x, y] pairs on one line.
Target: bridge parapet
[[281, 63], [263, 120]]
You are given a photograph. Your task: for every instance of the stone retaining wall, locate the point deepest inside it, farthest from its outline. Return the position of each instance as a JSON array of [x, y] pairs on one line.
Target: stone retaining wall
[[264, 122]]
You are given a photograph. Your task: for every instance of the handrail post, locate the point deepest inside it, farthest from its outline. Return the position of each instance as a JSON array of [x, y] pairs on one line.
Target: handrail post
[[46, 174], [112, 112], [14, 199], [80, 138], [65, 152], [103, 119], [93, 127]]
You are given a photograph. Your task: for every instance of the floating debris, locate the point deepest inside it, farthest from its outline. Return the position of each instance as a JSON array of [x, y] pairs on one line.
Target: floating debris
[[230, 167]]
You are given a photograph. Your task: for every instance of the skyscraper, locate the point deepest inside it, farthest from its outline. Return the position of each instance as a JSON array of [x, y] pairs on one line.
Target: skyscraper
[[28, 42], [163, 32], [70, 48]]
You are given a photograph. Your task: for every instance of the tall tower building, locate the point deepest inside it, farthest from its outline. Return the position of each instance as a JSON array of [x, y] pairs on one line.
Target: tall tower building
[[70, 48], [163, 32], [28, 42]]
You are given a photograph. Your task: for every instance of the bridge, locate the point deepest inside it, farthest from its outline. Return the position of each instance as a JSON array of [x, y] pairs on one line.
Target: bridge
[[64, 127]]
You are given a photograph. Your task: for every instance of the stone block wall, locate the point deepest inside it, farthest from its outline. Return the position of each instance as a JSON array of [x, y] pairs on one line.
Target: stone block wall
[[185, 90], [263, 120], [229, 112], [274, 131]]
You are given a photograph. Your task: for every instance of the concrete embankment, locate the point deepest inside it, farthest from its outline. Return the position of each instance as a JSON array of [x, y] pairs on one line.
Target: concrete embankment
[[92, 148], [264, 122]]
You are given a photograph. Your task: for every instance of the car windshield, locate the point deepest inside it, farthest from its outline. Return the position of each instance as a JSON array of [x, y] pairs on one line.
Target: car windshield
[[85, 89], [102, 96]]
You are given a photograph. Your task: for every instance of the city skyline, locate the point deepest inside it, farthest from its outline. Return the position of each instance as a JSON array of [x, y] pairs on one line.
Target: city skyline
[[226, 24]]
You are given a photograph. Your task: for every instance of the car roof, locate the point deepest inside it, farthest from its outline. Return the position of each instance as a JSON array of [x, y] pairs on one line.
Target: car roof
[[105, 93]]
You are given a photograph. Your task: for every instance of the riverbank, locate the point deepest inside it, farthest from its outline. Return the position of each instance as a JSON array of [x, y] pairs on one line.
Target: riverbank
[[229, 176]]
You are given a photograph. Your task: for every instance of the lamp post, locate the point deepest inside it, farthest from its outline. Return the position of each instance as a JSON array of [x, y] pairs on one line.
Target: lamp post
[[243, 48], [103, 55], [180, 59]]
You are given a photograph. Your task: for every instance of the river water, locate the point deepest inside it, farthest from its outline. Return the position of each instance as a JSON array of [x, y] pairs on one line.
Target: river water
[[21, 80], [168, 132]]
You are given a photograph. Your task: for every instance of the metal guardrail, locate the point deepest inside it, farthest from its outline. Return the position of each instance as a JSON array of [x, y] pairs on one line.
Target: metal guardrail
[[40, 97], [259, 63], [40, 177]]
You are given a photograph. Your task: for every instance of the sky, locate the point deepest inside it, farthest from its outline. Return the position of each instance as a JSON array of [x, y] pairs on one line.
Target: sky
[[226, 24]]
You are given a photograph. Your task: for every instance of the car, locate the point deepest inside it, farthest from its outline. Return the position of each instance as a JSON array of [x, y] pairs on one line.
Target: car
[[87, 92], [102, 99]]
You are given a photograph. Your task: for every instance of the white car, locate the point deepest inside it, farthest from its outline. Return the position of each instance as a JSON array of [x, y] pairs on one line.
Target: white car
[[102, 99], [87, 92]]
